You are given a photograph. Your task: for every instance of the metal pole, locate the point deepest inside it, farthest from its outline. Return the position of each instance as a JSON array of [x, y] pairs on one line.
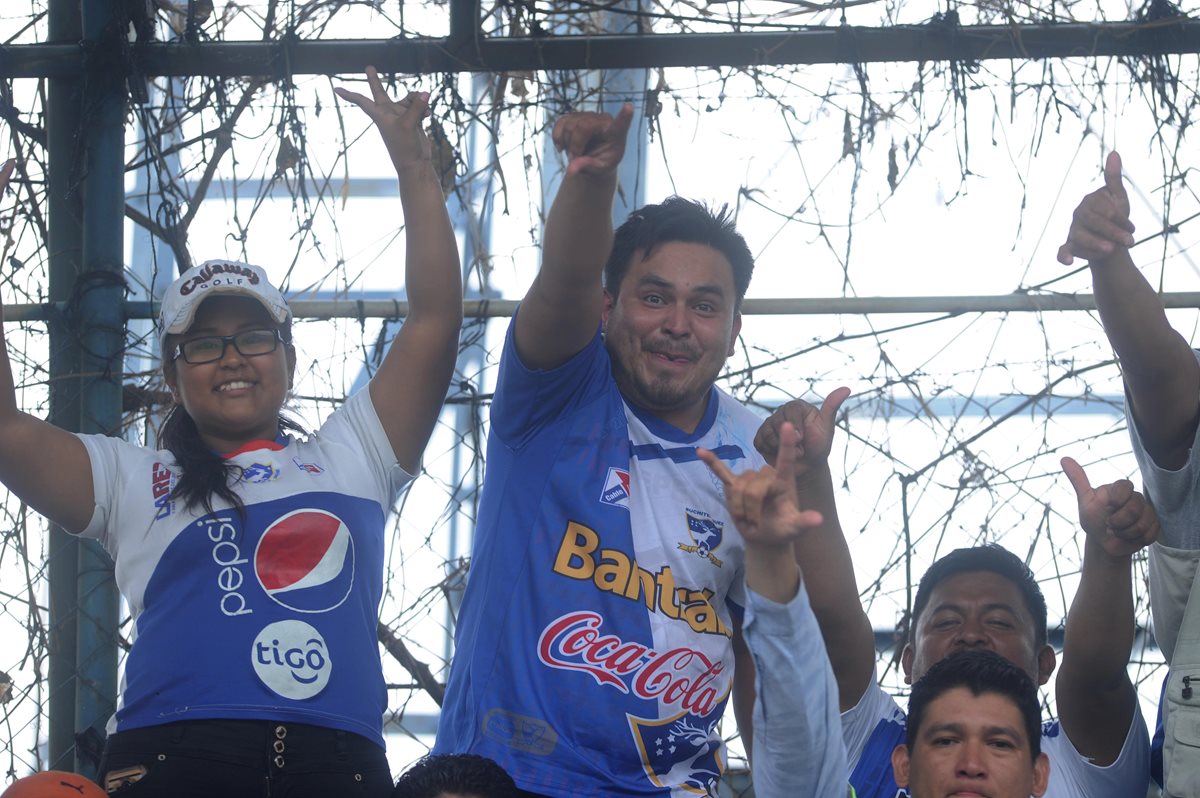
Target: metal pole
[[64, 245], [101, 325], [832, 44], [779, 306]]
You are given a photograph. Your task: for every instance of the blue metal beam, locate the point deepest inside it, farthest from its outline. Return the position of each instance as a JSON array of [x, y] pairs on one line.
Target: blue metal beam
[[834, 44], [102, 325], [64, 247]]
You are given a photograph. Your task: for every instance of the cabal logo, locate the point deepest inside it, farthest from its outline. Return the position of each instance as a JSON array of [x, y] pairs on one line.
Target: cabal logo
[[162, 482], [706, 533], [305, 561], [291, 659], [616, 488], [681, 677], [259, 472], [681, 751]]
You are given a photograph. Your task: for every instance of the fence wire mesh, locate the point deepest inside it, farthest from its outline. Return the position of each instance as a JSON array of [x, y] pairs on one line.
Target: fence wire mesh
[[904, 179]]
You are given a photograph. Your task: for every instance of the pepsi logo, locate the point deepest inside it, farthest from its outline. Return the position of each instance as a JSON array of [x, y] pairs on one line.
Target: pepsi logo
[[291, 659], [305, 561]]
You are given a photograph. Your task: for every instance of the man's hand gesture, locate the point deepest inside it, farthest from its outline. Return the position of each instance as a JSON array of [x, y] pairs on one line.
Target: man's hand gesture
[[766, 509], [813, 431], [763, 503], [400, 123], [593, 142], [1101, 223], [1115, 516]]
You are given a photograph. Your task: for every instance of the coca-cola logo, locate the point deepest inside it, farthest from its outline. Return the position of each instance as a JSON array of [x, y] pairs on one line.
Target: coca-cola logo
[[680, 676]]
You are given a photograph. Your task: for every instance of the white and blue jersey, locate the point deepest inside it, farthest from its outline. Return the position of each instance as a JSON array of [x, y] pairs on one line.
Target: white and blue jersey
[[876, 726], [268, 616], [593, 653]]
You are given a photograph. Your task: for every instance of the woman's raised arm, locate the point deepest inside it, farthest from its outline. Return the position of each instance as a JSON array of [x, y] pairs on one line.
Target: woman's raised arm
[[410, 386], [47, 467]]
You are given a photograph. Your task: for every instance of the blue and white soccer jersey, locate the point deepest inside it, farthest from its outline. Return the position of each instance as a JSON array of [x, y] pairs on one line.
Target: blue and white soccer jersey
[[271, 616], [593, 649], [877, 725]]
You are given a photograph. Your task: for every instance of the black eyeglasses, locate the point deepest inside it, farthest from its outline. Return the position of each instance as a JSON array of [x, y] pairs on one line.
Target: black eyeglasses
[[212, 347]]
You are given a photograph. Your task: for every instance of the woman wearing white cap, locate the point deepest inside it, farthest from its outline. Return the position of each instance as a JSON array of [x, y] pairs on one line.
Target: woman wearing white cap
[[252, 561]]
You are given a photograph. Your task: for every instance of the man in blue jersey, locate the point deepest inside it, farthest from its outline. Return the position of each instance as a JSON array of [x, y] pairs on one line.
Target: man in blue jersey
[[974, 728], [985, 598], [595, 648]]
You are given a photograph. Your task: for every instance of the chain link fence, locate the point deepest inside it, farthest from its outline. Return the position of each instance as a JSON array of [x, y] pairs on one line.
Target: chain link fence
[[907, 180]]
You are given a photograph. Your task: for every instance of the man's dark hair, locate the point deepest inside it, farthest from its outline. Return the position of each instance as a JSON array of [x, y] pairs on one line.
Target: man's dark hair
[[678, 219], [993, 558], [465, 774], [980, 672]]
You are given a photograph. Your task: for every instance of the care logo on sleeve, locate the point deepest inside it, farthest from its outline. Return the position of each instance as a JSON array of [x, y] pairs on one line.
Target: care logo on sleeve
[[162, 482]]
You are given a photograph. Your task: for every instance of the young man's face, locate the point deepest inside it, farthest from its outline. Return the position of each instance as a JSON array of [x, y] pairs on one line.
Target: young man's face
[[671, 327], [971, 746], [977, 610]]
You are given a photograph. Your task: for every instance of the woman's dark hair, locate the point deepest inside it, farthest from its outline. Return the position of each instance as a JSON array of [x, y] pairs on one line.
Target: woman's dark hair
[[980, 672], [678, 219], [203, 472], [460, 774]]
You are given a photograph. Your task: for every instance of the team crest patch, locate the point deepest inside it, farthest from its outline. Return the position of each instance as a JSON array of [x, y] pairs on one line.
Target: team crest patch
[[680, 751], [259, 473], [706, 534], [616, 488]]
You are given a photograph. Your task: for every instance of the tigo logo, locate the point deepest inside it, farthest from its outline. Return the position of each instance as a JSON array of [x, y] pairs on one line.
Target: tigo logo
[[305, 561], [291, 658]]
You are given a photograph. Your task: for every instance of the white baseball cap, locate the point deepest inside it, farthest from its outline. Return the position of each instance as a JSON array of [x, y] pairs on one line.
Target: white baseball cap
[[183, 297]]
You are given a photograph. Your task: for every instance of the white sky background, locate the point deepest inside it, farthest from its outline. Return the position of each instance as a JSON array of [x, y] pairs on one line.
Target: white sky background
[[994, 232]]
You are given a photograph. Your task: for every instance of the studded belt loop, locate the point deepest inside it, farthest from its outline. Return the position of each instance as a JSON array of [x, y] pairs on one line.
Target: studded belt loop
[[279, 746]]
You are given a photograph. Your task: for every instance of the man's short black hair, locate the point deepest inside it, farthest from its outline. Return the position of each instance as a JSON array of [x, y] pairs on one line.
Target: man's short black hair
[[993, 558], [981, 672], [465, 774], [678, 219]]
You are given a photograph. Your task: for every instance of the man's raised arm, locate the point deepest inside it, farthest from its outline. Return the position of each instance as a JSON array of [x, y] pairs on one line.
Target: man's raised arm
[[1159, 367], [822, 552], [1096, 699], [560, 313]]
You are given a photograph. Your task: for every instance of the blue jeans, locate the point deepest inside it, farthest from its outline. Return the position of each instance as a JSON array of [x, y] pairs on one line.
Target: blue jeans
[[243, 759]]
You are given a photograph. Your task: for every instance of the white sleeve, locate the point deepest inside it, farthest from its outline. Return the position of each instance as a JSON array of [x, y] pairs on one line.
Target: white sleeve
[[1176, 494], [355, 424], [1072, 774], [110, 461], [798, 752], [860, 721], [1173, 559]]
